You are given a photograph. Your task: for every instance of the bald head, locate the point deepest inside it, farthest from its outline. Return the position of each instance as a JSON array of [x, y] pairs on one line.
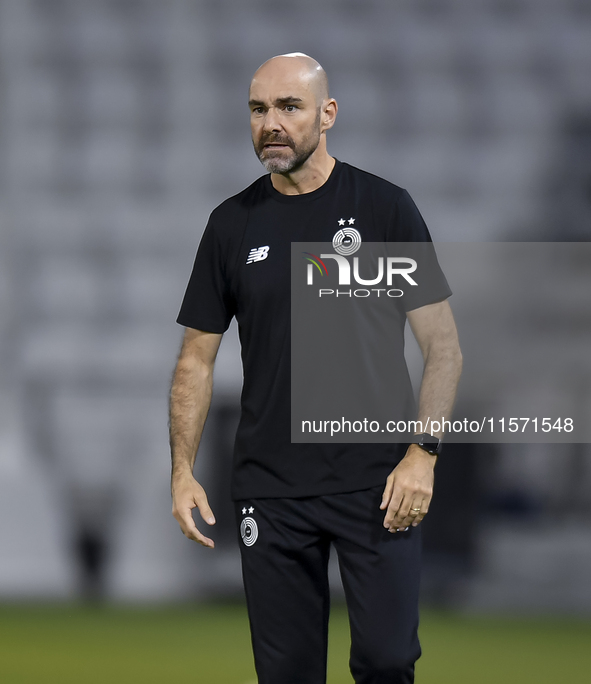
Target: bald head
[[295, 66]]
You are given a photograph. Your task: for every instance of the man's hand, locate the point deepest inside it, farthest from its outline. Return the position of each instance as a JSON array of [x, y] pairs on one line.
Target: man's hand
[[188, 494], [409, 486]]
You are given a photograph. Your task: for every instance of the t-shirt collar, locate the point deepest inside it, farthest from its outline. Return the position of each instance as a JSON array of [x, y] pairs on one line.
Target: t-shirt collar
[[307, 196]]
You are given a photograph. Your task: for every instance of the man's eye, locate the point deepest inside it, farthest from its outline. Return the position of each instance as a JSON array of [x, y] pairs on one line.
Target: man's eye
[[290, 108], [257, 110]]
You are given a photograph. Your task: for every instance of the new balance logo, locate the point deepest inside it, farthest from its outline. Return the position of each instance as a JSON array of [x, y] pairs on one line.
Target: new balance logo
[[257, 254]]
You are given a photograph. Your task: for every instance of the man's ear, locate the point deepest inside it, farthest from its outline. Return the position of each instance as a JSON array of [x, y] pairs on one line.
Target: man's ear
[[329, 113]]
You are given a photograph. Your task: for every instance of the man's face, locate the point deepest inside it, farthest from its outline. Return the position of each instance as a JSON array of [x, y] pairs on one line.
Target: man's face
[[284, 117]]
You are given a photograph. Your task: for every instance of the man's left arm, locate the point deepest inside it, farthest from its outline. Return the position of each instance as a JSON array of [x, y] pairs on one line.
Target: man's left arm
[[409, 486]]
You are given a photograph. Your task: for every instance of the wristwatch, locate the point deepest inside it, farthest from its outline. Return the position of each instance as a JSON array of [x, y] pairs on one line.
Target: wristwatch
[[430, 444]]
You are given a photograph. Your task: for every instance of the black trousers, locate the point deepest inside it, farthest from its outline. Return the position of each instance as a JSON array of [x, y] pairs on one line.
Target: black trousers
[[285, 545]]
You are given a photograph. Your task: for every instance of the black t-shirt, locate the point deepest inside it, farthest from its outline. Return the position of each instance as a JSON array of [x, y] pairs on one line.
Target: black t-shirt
[[242, 269]]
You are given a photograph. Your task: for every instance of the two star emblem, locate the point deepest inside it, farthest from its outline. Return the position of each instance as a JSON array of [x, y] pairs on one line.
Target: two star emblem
[[250, 510], [342, 221]]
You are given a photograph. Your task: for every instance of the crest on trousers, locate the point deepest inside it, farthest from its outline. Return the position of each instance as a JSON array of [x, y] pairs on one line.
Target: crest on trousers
[[249, 531]]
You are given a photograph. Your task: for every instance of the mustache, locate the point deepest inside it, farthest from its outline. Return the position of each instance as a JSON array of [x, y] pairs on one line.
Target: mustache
[[275, 138]]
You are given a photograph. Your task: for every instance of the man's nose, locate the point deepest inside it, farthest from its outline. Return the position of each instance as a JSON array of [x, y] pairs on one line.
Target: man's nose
[[272, 120]]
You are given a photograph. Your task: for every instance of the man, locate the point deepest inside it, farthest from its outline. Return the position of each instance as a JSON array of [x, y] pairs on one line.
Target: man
[[294, 500]]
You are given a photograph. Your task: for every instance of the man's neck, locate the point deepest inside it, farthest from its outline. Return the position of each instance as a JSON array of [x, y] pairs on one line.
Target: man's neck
[[309, 177]]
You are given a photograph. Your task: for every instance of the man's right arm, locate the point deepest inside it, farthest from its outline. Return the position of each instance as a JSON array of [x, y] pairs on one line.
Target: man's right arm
[[190, 398]]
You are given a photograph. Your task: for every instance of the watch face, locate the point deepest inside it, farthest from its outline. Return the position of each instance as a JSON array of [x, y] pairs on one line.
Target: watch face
[[428, 439], [429, 443]]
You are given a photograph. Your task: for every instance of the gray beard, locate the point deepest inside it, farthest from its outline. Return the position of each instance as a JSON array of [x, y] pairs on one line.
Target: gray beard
[[286, 165]]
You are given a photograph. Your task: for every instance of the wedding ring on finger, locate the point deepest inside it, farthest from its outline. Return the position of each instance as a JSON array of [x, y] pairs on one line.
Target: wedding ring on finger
[[415, 511]]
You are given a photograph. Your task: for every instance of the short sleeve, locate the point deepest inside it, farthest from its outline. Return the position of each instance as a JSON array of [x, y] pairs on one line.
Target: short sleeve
[[208, 303], [409, 227], [407, 224]]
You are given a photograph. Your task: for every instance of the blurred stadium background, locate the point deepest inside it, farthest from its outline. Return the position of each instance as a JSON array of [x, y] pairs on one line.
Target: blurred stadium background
[[122, 124]]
